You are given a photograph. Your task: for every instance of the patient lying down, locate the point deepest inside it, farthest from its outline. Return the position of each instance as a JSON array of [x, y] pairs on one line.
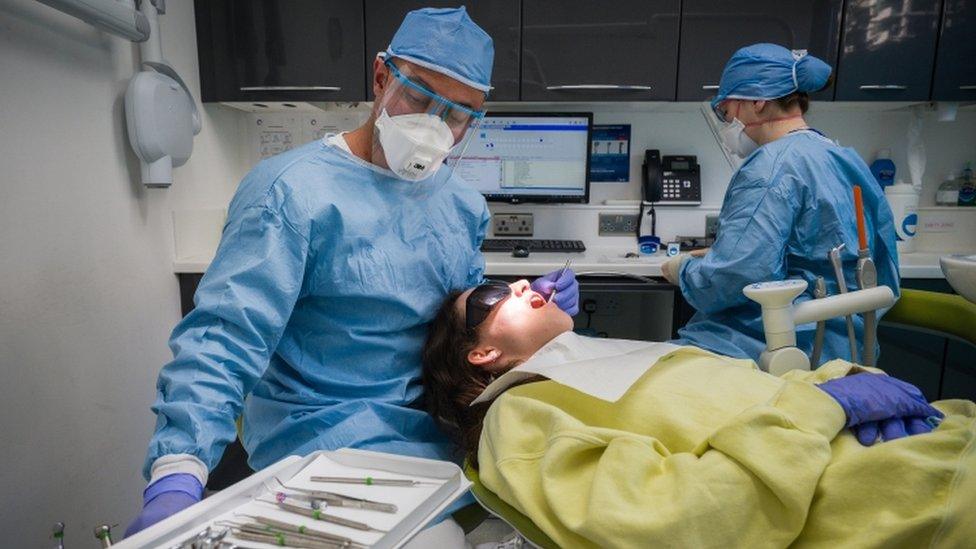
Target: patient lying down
[[701, 450]]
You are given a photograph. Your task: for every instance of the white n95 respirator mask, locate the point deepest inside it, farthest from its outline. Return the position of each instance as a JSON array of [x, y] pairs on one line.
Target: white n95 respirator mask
[[415, 145], [734, 138]]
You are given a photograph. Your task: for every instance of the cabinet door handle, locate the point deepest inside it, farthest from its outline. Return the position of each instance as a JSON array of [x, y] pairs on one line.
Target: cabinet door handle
[[892, 87], [710, 87], [967, 87], [290, 88], [572, 87]]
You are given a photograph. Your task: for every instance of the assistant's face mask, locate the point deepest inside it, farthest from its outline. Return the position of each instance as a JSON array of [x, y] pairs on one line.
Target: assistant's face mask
[[415, 145], [733, 136]]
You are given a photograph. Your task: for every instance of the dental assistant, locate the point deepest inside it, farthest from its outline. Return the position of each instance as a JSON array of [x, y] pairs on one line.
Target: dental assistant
[[334, 259], [787, 205]]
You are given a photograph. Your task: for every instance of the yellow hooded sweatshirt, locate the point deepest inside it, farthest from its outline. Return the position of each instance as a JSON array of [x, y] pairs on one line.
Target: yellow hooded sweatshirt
[[707, 451]]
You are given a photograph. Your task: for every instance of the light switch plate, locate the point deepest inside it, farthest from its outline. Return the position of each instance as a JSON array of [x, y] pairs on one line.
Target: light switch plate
[[618, 224], [505, 224]]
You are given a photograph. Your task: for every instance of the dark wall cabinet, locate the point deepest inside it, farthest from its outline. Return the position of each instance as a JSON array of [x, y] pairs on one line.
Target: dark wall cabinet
[[584, 50], [268, 50], [587, 50], [955, 63], [888, 50], [711, 31], [499, 18]]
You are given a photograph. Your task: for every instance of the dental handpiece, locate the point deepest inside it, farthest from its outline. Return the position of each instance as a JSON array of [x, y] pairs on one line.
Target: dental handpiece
[[819, 292], [834, 257]]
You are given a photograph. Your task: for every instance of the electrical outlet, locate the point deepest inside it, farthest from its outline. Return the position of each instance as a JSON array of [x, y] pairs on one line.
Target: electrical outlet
[[618, 224], [605, 304], [512, 224]]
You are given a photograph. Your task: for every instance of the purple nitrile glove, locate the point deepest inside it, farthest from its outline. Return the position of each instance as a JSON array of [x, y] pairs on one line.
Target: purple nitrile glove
[[166, 497], [563, 282], [877, 403]]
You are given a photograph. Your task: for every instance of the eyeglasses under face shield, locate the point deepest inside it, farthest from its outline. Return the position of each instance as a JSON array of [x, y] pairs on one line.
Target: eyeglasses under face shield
[[407, 96], [483, 299]]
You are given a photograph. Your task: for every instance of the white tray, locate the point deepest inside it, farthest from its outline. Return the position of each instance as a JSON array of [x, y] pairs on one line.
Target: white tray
[[417, 505]]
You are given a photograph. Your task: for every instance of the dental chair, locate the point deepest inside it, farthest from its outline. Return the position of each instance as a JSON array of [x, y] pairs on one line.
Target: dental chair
[[942, 314]]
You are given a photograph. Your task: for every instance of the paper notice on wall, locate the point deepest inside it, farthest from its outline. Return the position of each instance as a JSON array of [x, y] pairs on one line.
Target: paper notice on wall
[[275, 133], [610, 153]]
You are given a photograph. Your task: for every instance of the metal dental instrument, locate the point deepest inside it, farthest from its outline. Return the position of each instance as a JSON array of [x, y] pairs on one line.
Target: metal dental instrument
[[867, 277], [272, 525], [286, 540], [561, 273], [208, 538], [371, 481], [58, 534], [103, 533], [834, 257], [317, 514], [316, 497], [819, 292]]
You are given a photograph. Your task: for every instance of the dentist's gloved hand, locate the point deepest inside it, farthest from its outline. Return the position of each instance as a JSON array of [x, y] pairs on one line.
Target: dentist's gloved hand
[[164, 498], [565, 286], [876, 403]]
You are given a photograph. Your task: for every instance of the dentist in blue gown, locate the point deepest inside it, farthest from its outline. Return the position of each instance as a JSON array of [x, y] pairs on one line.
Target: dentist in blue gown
[[787, 205], [335, 256]]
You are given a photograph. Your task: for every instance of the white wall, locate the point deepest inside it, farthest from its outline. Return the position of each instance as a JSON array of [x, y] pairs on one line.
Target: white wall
[[87, 294], [680, 128]]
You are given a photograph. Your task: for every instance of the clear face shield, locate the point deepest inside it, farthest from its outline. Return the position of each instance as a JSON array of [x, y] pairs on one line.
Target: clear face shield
[[416, 130]]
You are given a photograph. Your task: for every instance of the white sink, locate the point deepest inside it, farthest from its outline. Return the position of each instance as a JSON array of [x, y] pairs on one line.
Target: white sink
[[960, 271]]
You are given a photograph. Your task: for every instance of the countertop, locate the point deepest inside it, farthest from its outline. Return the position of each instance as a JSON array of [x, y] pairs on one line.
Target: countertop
[[608, 260]]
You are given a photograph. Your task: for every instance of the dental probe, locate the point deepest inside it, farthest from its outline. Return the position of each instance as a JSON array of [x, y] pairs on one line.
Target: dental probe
[[335, 499], [372, 481], [561, 273], [317, 514]]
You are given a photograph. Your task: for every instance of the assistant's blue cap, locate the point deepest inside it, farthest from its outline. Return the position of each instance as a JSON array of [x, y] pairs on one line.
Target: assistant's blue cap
[[446, 40], [769, 71]]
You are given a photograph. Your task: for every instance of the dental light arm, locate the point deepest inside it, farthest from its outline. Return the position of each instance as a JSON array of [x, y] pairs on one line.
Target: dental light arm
[[780, 317]]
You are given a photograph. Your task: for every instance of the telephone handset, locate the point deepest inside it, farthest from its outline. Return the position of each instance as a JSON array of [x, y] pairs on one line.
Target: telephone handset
[[652, 184], [650, 189]]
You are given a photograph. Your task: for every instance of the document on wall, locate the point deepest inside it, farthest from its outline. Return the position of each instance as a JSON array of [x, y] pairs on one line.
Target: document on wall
[[275, 133], [610, 153]]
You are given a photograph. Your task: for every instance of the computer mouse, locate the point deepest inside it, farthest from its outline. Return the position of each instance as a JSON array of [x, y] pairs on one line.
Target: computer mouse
[[520, 251]]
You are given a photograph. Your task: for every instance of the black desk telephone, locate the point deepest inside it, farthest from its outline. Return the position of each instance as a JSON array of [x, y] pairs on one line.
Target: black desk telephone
[[671, 180]]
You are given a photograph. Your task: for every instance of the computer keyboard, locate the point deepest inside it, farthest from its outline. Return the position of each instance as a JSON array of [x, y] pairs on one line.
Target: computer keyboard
[[534, 245]]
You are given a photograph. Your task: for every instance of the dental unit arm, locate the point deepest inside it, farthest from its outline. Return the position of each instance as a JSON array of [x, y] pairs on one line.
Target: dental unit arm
[[780, 317]]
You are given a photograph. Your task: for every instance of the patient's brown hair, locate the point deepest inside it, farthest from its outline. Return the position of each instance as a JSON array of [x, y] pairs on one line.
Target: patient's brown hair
[[451, 382]]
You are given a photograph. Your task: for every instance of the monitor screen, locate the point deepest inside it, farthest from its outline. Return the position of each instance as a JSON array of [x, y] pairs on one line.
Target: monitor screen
[[529, 157]]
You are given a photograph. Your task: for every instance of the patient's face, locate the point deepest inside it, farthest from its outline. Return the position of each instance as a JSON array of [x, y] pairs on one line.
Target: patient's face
[[519, 326]]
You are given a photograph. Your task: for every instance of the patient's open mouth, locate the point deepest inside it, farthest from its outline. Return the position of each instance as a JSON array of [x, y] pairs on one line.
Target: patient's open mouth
[[537, 301]]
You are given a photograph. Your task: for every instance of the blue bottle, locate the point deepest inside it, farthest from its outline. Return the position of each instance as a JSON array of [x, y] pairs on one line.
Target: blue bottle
[[883, 168]]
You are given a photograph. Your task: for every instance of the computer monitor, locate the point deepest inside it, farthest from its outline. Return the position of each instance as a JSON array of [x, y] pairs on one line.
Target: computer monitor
[[530, 157]]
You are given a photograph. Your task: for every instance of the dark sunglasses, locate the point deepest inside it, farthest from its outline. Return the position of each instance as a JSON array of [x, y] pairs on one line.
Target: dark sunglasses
[[483, 299]]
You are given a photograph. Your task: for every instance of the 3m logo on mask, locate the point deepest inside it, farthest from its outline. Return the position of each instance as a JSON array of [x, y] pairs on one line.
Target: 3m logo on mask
[[415, 145]]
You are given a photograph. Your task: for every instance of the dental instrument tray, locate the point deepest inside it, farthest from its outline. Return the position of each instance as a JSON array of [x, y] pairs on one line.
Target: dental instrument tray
[[403, 494]]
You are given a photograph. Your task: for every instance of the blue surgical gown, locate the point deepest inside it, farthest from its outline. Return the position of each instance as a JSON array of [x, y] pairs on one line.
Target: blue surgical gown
[[789, 203], [315, 309]]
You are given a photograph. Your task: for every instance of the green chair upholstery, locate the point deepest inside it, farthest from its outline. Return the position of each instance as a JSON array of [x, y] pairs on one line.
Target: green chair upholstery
[[947, 314]]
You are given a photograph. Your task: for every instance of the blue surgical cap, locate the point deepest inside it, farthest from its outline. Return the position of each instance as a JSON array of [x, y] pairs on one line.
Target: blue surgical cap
[[769, 71], [446, 40]]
